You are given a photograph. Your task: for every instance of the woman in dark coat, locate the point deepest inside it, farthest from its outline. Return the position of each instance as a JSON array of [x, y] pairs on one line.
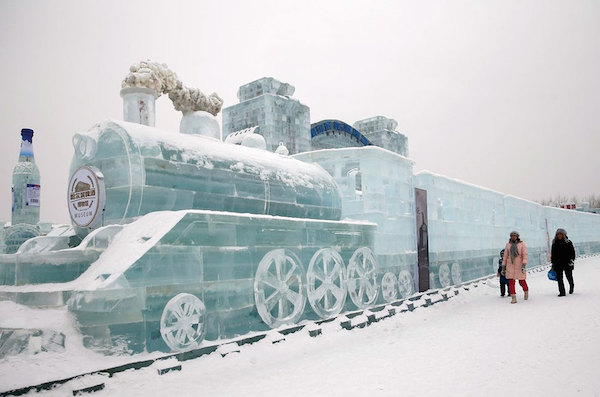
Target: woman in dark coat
[[562, 257], [503, 280]]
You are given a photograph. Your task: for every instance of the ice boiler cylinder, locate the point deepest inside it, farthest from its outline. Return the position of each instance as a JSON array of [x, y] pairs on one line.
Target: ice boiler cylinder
[[148, 170]]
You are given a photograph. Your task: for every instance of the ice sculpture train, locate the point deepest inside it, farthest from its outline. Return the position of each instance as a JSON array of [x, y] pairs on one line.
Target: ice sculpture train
[[178, 238], [265, 237], [148, 170]]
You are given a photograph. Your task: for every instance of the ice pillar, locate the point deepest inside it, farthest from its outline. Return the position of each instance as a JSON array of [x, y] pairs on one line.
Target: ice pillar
[[139, 105]]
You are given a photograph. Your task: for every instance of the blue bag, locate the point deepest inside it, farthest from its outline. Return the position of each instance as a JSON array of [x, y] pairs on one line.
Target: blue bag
[[552, 275]]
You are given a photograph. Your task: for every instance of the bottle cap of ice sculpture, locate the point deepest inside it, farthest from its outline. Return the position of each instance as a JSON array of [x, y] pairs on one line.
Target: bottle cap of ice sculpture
[[27, 134]]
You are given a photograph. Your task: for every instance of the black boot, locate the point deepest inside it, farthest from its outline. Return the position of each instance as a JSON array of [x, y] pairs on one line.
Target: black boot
[[571, 289], [561, 286]]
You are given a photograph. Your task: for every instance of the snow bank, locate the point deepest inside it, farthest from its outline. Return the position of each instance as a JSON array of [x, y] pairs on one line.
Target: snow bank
[[468, 346]]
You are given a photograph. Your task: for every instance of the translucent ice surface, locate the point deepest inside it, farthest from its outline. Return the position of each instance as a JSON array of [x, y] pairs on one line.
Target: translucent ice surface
[[376, 185], [171, 279], [148, 170]]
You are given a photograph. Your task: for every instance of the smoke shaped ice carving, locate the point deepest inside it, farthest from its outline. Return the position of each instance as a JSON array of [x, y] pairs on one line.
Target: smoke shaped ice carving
[[162, 80], [187, 99], [153, 75]]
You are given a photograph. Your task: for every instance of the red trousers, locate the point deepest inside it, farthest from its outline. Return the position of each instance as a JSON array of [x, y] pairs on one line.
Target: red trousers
[[511, 286]]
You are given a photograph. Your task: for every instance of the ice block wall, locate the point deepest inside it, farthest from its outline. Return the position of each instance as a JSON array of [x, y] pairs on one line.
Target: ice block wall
[[583, 228], [148, 170], [376, 185], [468, 226], [231, 265], [268, 104]]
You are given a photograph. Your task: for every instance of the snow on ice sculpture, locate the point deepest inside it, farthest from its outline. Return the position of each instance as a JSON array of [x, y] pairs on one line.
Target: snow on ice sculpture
[[149, 170], [282, 150], [444, 275], [254, 140], [406, 285], [246, 270], [48, 259], [200, 123]]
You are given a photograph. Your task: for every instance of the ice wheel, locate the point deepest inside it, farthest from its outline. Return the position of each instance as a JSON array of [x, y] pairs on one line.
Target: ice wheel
[[279, 288], [362, 281], [326, 288], [388, 287], [406, 286], [444, 275], [456, 273], [182, 324]]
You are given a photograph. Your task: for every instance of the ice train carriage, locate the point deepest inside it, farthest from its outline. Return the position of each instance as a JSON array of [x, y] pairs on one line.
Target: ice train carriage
[[249, 237], [467, 224]]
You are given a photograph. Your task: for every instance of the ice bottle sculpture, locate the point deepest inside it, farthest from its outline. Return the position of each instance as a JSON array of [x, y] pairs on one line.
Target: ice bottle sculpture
[[26, 184]]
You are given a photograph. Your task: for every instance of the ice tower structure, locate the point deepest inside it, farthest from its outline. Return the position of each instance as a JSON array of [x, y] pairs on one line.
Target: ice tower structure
[[381, 131], [268, 104]]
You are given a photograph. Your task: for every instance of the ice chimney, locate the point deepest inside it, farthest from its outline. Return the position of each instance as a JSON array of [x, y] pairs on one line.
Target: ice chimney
[[139, 105]]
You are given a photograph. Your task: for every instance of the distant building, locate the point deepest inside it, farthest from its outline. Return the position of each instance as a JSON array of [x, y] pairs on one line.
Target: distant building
[[267, 104], [378, 131], [585, 207]]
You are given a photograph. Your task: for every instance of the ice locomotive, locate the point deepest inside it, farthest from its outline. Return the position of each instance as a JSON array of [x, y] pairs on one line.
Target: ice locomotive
[[217, 240]]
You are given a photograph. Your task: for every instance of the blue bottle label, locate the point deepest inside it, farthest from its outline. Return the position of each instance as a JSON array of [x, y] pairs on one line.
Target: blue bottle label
[[33, 195]]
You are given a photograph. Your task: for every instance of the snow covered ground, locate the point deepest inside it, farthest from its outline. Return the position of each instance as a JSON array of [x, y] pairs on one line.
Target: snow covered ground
[[475, 344]]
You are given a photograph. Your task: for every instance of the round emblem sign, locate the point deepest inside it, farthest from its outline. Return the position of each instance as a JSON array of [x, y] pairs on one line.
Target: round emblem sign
[[86, 197]]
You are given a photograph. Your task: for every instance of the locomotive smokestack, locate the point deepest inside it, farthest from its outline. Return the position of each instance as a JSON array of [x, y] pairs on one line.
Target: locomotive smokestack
[[139, 105], [145, 82]]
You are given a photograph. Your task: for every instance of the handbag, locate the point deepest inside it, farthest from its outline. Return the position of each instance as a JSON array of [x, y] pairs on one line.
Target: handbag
[[552, 275]]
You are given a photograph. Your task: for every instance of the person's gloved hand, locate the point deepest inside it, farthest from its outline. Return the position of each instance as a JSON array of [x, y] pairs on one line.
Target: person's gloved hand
[[503, 272], [523, 266]]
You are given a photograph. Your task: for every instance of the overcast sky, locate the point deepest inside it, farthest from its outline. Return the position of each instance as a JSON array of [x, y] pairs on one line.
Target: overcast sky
[[500, 93]]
